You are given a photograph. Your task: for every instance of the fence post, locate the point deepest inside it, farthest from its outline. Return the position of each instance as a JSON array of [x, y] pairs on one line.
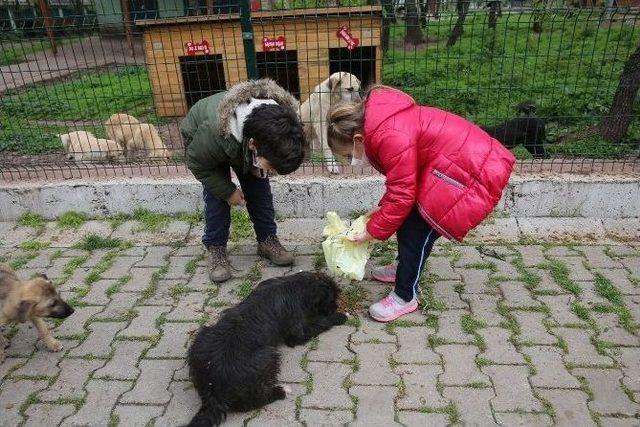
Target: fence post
[[48, 24], [247, 39]]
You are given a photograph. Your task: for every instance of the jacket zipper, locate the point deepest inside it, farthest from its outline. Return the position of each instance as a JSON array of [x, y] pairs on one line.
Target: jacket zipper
[[448, 179]]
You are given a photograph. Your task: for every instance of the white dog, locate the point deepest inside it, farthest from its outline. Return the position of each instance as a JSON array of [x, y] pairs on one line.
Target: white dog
[[338, 87], [84, 146], [132, 135]]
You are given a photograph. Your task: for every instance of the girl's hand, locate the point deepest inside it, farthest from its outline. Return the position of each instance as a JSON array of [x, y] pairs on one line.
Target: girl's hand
[[361, 237]]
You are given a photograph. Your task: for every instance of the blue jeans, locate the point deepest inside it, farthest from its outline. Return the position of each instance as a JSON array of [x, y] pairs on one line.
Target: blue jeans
[[415, 241], [217, 212]]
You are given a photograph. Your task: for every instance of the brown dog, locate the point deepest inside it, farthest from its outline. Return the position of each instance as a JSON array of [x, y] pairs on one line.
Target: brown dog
[[32, 300]]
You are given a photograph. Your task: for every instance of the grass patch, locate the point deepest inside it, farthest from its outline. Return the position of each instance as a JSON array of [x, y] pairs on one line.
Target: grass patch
[[150, 221], [384, 252], [72, 220], [103, 265], [115, 288], [351, 298], [483, 266], [114, 420], [470, 324], [191, 266], [33, 245], [245, 288], [241, 227], [93, 242], [31, 219], [560, 274], [509, 322], [319, 262], [179, 289], [482, 361], [192, 218], [608, 291], [353, 321], [428, 300], [581, 311], [451, 410], [255, 272]]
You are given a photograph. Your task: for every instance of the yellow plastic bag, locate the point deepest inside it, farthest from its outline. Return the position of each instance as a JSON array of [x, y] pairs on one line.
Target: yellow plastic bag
[[345, 258]]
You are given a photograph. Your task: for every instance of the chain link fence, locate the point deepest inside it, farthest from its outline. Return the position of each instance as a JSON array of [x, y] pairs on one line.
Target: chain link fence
[[557, 83]]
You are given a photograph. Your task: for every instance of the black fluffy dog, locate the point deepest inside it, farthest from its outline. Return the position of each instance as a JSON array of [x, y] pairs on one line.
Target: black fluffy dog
[[526, 130], [234, 364]]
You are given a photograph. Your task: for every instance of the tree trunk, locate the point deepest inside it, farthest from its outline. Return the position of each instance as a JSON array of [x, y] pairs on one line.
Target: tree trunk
[[615, 124], [413, 33], [462, 7], [388, 16]]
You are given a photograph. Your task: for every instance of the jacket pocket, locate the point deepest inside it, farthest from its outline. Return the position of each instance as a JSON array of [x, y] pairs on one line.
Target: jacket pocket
[[446, 178]]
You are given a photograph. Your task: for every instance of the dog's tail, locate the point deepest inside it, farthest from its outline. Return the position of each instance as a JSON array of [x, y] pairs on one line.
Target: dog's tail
[[212, 413]]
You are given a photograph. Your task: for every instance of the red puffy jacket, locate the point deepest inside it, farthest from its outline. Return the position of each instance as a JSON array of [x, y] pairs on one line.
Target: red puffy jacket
[[450, 168]]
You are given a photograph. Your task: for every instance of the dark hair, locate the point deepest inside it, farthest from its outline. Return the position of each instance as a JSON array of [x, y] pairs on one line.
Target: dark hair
[[278, 135]]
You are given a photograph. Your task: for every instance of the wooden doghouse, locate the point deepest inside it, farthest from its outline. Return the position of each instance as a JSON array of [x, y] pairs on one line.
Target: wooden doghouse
[[192, 57]]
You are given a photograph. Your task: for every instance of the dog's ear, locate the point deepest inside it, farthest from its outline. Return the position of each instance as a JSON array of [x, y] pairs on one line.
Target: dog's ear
[[23, 310], [41, 276], [334, 80]]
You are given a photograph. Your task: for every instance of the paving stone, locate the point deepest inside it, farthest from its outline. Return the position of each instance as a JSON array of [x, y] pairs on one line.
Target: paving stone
[[469, 255], [620, 279], [182, 374], [516, 295], [444, 290], [474, 280], [190, 307], [47, 414], [101, 397], [499, 348], [597, 258], [200, 280], [610, 330], [120, 267], [621, 251], [511, 419], [184, 404], [450, 327], [577, 271], [589, 296], [531, 255], [242, 264], [441, 267], [413, 345], [504, 268], [12, 395], [459, 365], [134, 251], [374, 364], [472, 404], [144, 324], [98, 292], [619, 422], [332, 345], [550, 370], [420, 387], [195, 234], [570, 407], [74, 373], [137, 415], [280, 413], [608, 395], [378, 397], [56, 270], [162, 294], [177, 230], [633, 265], [174, 340], [581, 351], [43, 363], [317, 417], [547, 283], [122, 365], [371, 331], [77, 278], [561, 251], [327, 386], [155, 256], [513, 392], [119, 307], [41, 261], [633, 304], [271, 271], [140, 279], [9, 364], [23, 342], [629, 359], [560, 308], [290, 370], [484, 307], [98, 343], [410, 419], [151, 387], [177, 267], [532, 329]]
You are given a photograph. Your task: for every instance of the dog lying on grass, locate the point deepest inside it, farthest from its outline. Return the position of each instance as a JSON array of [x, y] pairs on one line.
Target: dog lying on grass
[[32, 300], [85, 147], [234, 364], [132, 135]]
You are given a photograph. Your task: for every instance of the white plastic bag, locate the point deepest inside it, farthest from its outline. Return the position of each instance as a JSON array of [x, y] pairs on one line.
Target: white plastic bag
[[345, 258]]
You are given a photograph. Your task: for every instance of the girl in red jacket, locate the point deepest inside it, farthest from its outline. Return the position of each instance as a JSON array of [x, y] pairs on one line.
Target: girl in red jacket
[[444, 175]]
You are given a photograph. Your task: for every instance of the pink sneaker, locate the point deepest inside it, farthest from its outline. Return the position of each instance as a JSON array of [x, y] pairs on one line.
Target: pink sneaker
[[391, 307], [385, 274]]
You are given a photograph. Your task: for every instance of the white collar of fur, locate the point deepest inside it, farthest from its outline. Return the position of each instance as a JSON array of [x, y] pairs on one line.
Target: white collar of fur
[[236, 125]]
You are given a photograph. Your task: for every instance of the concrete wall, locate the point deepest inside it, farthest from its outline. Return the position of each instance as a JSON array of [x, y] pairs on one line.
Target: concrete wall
[[526, 196]]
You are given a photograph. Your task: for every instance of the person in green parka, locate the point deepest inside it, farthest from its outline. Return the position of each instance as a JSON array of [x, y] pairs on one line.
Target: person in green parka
[[254, 129]]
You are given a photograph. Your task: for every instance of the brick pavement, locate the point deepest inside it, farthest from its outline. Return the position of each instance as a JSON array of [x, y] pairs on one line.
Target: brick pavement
[[519, 335]]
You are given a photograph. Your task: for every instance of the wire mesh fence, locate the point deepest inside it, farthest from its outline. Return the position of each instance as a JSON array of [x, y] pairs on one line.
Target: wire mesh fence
[[557, 82]]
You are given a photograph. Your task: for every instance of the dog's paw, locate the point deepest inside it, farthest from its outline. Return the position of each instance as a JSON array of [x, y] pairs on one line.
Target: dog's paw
[[287, 389], [279, 393], [54, 345]]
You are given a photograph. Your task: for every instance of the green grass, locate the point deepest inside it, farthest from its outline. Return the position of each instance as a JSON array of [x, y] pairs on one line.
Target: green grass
[[30, 219], [352, 298], [608, 291], [384, 252], [93, 242], [17, 51], [179, 289], [560, 274], [191, 217], [319, 262], [72, 220], [241, 227], [33, 245], [470, 324], [245, 288], [150, 221]]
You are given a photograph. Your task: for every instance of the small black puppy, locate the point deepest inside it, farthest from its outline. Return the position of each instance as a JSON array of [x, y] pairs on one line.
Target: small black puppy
[[235, 363], [526, 130]]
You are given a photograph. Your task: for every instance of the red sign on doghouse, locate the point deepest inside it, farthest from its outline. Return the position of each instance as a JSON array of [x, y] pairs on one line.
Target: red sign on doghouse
[[344, 33], [195, 47], [270, 45]]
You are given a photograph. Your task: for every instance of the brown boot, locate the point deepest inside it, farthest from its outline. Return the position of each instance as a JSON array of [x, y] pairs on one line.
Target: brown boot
[[219, 265], [273, 250]]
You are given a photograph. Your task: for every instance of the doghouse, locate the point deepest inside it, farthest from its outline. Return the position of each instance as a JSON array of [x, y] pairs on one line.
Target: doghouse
[[192, 57]]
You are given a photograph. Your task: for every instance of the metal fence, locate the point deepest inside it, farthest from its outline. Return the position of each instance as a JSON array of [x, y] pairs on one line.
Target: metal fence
[[557, 83]]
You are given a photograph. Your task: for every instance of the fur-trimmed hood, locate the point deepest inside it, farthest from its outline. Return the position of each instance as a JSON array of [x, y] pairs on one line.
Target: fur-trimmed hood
[[242, 93]]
